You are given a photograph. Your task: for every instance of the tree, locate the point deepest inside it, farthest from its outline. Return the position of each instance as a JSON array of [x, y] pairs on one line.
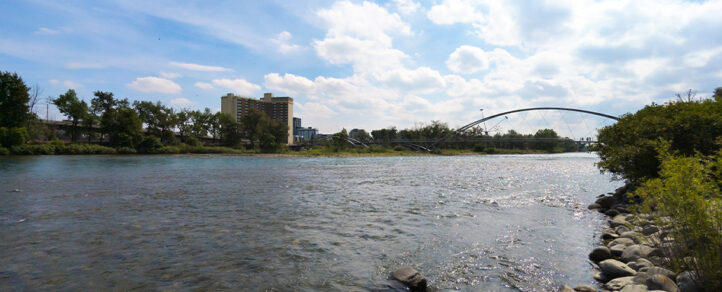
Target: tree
[[214, 124], [182, 120], [627, 148], [384, 135], [545, 139], [69, 105], [228, 130], [104, 105], [159, 119], [14, 100], [339, 140], [265, 134], [127, 130]]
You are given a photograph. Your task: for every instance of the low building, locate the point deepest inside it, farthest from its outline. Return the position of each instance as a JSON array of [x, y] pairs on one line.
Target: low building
[[300, 133]]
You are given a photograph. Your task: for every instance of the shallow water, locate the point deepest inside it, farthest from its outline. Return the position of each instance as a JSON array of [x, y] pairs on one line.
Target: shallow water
[[507, 222]]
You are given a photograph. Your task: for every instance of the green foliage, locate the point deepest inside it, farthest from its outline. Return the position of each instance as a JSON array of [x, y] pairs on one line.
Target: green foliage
[[13, 136], [4, 151], [69, 105], [126, 150], [542, 137], [688, 191], [33, 149], [14, 97], [339, 141], [265, 134], [193, 141], [159, 119], [627, 148], [84, 149], [229, 130], [149, 144], [479, 148], [126, 128]]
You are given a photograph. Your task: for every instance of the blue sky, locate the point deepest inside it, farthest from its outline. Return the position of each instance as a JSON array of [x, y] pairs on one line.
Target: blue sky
[[363, 64]]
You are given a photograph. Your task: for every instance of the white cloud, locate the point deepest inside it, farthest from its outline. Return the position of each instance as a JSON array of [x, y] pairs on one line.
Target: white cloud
[[198, 67], [181, 101], [66, 83], [454, 11], [407, 7], [169, 75], [46, 31], [420, 80], [467, 60], [204, 85], [283, 43], [84, 65], [154, 84], [288, 83], [239, 85]]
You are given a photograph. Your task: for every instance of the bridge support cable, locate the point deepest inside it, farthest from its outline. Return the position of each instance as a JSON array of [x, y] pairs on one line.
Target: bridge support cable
[[474, 123]]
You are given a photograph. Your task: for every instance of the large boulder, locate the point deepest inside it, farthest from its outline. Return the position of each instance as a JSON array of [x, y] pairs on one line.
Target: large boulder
[[686, 282], [566, 288], [636, 251], [619, 220], [411, 278], [599, 254], [618, 283], [617, 250], [609, 235], [649, 229], [622, 241], [585, 288], [606, 202], [661, 282], [633, 235], [658, 270], [634, 288], [615, 269], [640, 264]]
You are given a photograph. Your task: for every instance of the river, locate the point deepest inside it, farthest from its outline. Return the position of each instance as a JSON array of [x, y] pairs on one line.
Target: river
[[186, 222]]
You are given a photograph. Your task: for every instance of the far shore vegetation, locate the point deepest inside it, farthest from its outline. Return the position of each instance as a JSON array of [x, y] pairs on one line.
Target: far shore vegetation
[[671, 155], [108, 125]]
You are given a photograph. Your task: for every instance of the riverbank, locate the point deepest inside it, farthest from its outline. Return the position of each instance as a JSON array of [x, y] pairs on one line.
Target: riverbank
[[60, 148], [632, 255]]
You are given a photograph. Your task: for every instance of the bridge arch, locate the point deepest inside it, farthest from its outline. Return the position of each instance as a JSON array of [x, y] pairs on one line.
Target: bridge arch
[[479, 121]]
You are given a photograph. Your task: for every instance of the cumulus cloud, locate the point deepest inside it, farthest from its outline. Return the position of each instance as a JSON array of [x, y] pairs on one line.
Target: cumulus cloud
[[420, 80], [169, 75], [198, 67], [407, 7], [283, 43], [66, 83], [454, 11], [180, 101], [238, 85], [154, 84], [204, 85], [467, 60], [288, 83]]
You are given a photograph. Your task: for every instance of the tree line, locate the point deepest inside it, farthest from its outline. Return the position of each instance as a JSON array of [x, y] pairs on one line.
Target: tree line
[[141, 125]]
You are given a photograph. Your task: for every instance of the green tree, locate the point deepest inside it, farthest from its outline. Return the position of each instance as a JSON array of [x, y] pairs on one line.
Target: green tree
[[104, 105], [339, 141], [264, 134], [214, 125], [127, 129], [627, 148], [182, 123], [69, 105], [545, 139], [228, 130], [14, 100], [159, 119]]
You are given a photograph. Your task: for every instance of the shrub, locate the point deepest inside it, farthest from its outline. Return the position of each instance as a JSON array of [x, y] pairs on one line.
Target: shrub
[[150, 144], [33, 149], [126, 150], [168, 150], [193, 141], [4, 151], [688, 190], [479, 148], [398, 148], [627, 148], [13, 136], [84, 149]]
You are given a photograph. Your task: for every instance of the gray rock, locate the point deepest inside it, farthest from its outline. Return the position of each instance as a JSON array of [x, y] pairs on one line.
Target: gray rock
[[599, 254], [411, 278], [633, 235], [601, 278], [614, 269], [658, 270], [606, 202], [594, 206], [634, 288], [650, 229], [611, 213], [621, 229], [619, 220], [622, 241], [661, 282], [640, 264], [618, 283], [585, 288], [686, 282], [617, 250], [636, 251], [609, 235], [566, 288]]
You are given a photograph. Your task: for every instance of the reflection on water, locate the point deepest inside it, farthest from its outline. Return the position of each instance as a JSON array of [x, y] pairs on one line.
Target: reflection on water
[[255, 224]]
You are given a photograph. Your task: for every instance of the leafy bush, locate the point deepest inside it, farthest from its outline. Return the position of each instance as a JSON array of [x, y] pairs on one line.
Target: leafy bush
[[689, 191], [150, 144], [33, 149], [168, 150], [398, 148], [627, 148], [84, 149], [4, 151], [193, 141], [13, 136], [479, 148], [126, 150]]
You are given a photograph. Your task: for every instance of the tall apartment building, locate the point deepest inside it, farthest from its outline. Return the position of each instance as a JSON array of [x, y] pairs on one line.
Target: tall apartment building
[[279, 109]]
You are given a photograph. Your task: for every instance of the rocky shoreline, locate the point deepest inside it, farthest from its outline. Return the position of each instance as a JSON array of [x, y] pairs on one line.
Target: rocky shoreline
[[631, 257]]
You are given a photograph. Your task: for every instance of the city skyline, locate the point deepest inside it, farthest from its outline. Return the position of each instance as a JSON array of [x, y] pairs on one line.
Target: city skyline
[[370, 65]]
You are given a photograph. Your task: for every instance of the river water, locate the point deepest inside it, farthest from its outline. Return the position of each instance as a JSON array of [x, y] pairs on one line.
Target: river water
[[491, 223]]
